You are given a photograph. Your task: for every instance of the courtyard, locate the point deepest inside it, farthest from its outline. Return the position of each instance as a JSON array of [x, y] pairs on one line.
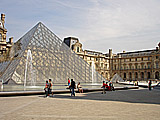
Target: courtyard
[[116, 105]]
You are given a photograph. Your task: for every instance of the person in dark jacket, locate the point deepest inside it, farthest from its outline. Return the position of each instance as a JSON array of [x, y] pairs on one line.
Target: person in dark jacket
[[47, 89], [149, 85], [72, 87]]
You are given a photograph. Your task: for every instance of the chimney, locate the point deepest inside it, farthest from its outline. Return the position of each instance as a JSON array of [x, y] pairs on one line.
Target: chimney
[[3, 18], [110, 53], [11, 40]]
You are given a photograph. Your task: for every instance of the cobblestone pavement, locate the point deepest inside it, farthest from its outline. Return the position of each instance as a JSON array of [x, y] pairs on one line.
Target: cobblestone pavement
[[116, 105]]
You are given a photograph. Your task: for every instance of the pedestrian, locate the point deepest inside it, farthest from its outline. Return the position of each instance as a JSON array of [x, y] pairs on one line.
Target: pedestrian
[[107, 87], [68, 82], [110, 86], [104, 86], [46, 88], [80, 90], [50, 87], [72, 86], [149, 84]]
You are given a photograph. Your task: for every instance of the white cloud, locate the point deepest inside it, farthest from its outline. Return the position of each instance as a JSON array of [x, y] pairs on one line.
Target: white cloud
[[99, 24]]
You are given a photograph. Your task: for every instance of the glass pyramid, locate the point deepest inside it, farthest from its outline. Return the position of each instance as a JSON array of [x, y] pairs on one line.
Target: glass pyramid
[[49, 58]]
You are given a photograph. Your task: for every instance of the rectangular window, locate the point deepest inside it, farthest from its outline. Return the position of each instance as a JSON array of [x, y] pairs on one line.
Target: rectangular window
[[156, 64], [106, 65], [149, 66], [156, 57], [136, 67], [101, 64], [77, 49], [130, 67]]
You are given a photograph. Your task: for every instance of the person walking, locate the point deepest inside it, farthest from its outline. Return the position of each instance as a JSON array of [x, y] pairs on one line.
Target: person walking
[[72, 87], [46, 89], [104, 86], [149, 84], [50, 87]]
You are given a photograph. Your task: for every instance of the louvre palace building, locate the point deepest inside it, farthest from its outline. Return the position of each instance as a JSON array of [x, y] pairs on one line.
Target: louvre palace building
[[136, 65]]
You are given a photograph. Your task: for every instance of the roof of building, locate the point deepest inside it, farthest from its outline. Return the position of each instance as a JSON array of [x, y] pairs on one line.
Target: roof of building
[[143, 51]]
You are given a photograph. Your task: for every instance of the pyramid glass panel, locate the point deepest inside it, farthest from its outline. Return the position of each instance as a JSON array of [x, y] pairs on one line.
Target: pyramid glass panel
[[40, 55]]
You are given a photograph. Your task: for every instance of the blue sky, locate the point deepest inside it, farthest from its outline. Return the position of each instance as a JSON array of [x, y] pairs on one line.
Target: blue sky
[[128, 25]]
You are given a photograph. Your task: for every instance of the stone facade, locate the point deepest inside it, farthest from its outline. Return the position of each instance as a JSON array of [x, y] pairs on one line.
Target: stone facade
[[137, 65], [4, 45], [100, 60]]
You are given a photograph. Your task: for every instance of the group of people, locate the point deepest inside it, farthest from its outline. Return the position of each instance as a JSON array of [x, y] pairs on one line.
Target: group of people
[[108, 86], [48, 88], [72, 86]]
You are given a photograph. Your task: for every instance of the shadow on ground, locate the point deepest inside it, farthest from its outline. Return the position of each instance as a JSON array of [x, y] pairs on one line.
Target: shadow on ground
[[131, 96]]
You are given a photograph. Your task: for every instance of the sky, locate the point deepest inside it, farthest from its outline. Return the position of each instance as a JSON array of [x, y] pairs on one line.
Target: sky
[[100, 25]]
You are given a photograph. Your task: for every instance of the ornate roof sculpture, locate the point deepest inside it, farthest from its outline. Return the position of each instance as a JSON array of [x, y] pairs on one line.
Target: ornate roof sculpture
[[49, 58]]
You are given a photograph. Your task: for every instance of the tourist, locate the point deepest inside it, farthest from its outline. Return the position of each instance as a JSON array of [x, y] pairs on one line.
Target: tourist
[[68, 82], [103, 86], [46, 88], [72, 86], [149, 84], [137, 83], [50, 87], [80, 90], [110, 86], [107, 87]]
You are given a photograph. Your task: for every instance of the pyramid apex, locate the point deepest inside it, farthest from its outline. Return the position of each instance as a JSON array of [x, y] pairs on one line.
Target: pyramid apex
[[39, 23]]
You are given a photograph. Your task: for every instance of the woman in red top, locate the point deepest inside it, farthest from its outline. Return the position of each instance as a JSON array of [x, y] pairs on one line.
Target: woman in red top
[[107, 87], [68, 82]]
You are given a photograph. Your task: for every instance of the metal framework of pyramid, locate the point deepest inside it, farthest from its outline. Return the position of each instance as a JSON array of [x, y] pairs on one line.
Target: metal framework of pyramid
[[51, 58]]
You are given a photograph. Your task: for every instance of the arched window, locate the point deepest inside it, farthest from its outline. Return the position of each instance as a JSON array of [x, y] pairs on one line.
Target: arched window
[[77, 49], [124, 75], [136, 75], [0, 37], [157, 75], [106, 75], [149, 75], [130, 75], [142, 75]]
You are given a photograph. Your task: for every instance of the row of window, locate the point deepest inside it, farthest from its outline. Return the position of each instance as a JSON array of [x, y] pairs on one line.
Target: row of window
[[141, 75], [96, 59], [101, 65], [137, 66], [136, 59]]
